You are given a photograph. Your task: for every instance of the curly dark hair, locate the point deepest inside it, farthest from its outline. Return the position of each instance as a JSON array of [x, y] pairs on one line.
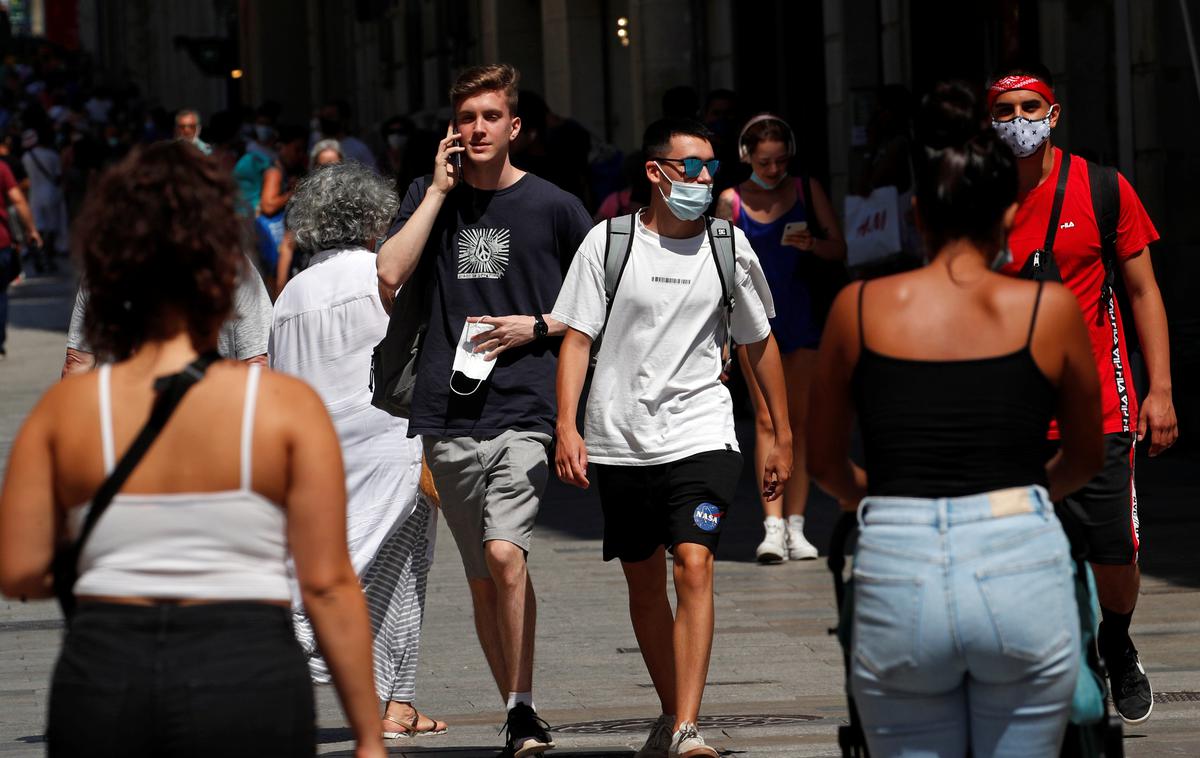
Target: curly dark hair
[[160, 246]]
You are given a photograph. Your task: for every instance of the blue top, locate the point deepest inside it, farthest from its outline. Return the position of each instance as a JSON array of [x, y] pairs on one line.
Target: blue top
[[795, 325]]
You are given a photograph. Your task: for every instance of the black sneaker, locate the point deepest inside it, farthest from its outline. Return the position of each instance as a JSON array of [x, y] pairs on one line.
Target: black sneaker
[[527, 734], [1131, 693]]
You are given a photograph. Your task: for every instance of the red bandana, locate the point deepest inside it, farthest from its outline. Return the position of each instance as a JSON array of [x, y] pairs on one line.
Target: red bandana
[[1019, 81]]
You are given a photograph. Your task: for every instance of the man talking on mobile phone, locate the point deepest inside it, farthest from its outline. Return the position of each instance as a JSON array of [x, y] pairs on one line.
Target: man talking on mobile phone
[[498, 240]]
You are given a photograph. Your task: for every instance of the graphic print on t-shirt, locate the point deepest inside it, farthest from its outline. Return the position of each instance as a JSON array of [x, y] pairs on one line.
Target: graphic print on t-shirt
[[482, 253]]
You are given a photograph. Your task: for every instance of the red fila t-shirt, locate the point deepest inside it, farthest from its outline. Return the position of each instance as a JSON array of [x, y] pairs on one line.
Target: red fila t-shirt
[[1077, 254]]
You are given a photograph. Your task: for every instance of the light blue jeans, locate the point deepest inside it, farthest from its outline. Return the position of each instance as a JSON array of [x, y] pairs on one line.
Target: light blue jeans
[[965, 626]]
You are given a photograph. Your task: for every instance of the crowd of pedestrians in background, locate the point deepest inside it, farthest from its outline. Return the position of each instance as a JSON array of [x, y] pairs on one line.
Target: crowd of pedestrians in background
[[287, 519]]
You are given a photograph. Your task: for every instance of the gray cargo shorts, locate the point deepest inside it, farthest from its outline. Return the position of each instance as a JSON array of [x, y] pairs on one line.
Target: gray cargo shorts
[[490, 489]]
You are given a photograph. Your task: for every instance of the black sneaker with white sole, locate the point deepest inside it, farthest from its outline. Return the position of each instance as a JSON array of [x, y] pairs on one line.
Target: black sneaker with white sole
[[527, 734], [1131, 693]]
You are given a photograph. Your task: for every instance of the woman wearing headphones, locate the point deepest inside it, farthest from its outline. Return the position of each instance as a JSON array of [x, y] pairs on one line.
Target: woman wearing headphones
[[791, 225]]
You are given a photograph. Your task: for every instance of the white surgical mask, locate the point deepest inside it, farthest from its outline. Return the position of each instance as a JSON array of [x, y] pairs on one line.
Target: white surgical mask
[[754, 177], [263, 133], [469, 363], [1023, 136], [688, 200]]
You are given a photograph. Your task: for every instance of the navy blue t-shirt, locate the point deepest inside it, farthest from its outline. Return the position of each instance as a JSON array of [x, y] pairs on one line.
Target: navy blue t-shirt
[[498, 253]]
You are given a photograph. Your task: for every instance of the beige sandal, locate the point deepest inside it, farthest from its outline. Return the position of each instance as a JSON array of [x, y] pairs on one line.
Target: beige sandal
[[411, 730]]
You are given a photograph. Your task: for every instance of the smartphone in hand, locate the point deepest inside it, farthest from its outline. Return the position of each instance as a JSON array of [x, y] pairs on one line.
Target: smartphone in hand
[[455, 158], [793, 228]]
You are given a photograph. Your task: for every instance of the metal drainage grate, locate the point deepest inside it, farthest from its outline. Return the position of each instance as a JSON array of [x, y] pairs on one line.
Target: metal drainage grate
[[1176, 697], [727, 683], [32, 625], [624, 726]]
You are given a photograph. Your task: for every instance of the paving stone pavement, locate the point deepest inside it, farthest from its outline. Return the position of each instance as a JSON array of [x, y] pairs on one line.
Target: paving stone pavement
[[775, 683]]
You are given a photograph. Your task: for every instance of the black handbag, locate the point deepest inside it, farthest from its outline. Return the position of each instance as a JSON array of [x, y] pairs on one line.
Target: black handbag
[[13, 269], [395, 360], [170, 390]]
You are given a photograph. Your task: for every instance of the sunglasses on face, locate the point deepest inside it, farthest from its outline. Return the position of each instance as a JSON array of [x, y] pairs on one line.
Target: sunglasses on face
[[693, 166]]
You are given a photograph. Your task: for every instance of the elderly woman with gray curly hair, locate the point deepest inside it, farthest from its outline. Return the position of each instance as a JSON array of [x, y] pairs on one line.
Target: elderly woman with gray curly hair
[[326, 322]]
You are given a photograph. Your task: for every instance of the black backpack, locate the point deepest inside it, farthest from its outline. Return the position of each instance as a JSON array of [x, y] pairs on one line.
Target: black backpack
[[1106, 207], [619, 233]]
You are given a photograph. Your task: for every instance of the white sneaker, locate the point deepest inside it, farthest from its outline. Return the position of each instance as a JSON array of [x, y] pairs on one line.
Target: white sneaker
[[799, 549], [773, 548], [687, 743], [658, 744]]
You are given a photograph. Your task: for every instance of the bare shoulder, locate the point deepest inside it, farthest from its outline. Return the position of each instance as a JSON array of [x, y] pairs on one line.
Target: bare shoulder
[[74, 394], [1059, 306], [288, 392], [725, 200], [845, 305]]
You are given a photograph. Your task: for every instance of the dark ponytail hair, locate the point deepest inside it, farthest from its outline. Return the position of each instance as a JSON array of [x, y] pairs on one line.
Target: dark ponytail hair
[[966, 176]]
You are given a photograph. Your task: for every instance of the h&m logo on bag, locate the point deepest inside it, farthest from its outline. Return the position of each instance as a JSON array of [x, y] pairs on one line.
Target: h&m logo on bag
[[707, 516]]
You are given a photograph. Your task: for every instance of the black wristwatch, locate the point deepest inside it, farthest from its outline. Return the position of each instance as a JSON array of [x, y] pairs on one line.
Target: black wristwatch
[[540, 329]]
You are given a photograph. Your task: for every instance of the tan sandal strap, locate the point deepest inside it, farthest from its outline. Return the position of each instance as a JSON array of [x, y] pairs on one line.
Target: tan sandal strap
[[410, 727]]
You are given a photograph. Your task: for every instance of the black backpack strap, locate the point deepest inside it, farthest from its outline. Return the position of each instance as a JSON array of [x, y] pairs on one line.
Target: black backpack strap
[[1060, 191], [1106, 206], [170, 391]]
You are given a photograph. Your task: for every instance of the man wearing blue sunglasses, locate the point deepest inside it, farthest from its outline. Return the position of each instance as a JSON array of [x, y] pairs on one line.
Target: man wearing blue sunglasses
[[659, 423]]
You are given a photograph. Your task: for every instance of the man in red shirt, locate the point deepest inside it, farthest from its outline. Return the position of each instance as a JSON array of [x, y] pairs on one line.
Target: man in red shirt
[[10, 256], [1066, 245]]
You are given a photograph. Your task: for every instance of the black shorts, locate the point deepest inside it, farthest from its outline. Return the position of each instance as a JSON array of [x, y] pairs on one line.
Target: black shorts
[[1103, 515], [648, 507]]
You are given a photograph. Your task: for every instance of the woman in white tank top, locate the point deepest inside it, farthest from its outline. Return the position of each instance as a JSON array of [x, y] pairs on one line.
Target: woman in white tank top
[[182, 642]]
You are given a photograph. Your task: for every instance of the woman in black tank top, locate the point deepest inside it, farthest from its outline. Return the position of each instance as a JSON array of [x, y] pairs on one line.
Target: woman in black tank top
[[965, 633]]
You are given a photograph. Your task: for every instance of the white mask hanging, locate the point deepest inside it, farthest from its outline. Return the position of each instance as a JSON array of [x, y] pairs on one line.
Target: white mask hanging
[[469, 363]]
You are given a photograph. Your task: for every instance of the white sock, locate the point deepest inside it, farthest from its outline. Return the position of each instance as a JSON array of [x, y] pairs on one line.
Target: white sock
[[772, 520], [796, 522], [522, 698]]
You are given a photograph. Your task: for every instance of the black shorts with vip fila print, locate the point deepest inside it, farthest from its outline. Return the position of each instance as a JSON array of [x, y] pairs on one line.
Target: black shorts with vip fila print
[[1103, 514], [648, 507]]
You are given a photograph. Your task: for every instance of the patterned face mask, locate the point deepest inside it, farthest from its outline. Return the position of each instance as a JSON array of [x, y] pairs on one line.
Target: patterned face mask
[[1023, 136]]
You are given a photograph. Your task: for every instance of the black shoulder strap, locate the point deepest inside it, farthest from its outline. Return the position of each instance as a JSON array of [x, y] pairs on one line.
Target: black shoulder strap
[[171, 390], [1106, 206], [1060, 191]]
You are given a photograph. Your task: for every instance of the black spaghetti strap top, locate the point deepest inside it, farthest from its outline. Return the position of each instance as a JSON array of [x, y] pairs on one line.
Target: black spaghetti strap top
[[952, 428]]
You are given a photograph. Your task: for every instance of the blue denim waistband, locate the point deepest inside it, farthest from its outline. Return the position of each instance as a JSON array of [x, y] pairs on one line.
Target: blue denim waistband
[[944, 512]]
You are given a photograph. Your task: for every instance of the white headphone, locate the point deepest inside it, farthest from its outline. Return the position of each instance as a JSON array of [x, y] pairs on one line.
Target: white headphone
[[744, 154]]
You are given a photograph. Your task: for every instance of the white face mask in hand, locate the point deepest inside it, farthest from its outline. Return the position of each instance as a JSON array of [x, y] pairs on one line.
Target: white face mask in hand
[[468, 363]]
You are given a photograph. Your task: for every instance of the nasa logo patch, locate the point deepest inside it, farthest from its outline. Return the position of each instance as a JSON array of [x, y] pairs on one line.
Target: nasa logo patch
[[707, 516]]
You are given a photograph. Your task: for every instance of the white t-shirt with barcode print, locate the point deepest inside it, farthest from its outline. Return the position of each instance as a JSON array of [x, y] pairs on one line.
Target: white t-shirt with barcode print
[[656, 394]]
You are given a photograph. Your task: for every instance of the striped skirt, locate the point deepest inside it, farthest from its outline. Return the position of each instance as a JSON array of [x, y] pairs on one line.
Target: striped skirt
[[394, 583]]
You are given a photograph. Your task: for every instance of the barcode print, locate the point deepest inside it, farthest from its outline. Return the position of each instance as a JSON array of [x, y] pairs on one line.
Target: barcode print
[[669, 280]]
